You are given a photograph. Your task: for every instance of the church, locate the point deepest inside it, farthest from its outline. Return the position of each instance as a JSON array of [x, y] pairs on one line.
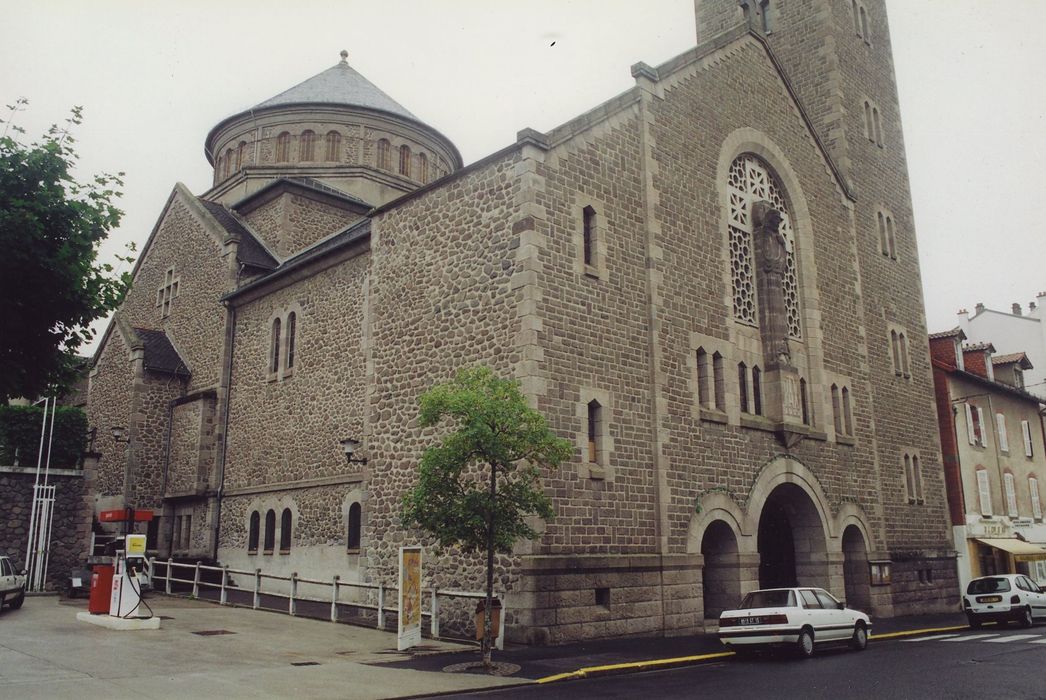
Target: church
[[709, 284]]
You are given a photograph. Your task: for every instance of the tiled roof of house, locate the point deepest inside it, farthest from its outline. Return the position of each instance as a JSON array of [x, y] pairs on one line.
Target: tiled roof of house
[[1020, 357], [948, 334], [978, 346], [160, 355]]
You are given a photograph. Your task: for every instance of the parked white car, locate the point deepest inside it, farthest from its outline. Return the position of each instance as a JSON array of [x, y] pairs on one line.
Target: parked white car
[[12, 584], [1004, 598], [795, 617]]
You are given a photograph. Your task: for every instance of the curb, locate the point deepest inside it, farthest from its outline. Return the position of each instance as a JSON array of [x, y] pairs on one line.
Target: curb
[[656, 664]]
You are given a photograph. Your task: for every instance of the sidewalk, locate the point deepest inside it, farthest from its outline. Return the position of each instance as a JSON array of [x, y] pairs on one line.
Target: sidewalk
[[547, 662], [204, 650]]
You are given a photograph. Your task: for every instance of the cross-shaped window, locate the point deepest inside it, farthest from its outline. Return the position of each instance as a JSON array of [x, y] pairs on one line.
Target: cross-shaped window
[[167, 292]]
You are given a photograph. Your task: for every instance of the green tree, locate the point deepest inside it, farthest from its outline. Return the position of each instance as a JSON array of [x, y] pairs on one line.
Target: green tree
[[478, 486], [51, 284]]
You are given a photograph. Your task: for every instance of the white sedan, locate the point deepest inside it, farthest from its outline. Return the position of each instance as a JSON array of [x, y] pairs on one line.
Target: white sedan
[[795, 617]]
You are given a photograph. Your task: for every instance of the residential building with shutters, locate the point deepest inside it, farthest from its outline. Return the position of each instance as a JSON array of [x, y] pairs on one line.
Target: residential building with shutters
[[709, 284], [994, 458]]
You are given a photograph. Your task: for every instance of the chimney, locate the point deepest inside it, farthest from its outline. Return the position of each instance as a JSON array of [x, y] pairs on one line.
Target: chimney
[[978, 309], [1016, 309]]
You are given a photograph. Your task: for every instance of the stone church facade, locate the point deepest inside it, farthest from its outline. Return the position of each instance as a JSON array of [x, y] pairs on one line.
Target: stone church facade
[[709, 283]]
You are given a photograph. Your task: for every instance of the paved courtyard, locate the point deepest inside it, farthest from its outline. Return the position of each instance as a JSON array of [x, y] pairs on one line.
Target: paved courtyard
[[46, 653]]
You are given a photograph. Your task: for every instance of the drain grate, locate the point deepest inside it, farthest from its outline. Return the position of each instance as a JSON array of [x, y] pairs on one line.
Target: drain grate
[[305, 663], [211, 633]]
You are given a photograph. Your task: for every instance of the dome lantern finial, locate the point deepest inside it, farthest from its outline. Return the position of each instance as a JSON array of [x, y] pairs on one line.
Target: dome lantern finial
[[344, 56]]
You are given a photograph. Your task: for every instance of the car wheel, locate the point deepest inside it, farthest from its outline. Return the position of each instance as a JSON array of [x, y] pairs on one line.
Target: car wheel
[[1024, 618], [859, 641], [804, 646], [17, 602], [975, 624]]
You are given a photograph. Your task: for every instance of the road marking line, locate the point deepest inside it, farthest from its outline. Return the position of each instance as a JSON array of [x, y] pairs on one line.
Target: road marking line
[[931, 638], [634, 666], [912, 633], [970, 637], [1013, 638], [1038, 641]]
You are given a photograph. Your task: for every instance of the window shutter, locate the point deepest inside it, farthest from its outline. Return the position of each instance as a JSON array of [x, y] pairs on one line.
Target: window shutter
[[1036, 506], [1011, 495], [1000, 425], [1026, 429], [980, 427], [984, 492], [969, 424]]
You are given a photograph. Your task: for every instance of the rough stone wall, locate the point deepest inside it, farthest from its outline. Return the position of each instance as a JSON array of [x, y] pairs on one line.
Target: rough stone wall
[[149, 435], [184, 460], [109, 406], [442, 299], [67, 544], [595, 338], [689, 132], [196, 323], [288, 428], [291, 222]]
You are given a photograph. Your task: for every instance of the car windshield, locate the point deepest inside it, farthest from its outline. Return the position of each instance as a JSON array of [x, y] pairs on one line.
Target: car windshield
[[768, 599], [988, 585]]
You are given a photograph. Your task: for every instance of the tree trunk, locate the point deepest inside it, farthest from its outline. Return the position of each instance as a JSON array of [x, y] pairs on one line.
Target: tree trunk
[[488, 612]]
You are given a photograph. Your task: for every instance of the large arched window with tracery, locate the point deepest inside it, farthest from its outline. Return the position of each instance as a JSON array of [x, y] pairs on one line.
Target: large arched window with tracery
[[750, 181]]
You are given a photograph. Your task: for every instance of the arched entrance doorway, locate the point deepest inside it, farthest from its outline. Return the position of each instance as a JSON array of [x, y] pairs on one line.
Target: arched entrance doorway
[[720, 577], [855, 569], [792, 549]]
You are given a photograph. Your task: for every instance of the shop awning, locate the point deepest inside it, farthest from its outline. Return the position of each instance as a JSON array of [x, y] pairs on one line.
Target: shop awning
[[1021, 550]]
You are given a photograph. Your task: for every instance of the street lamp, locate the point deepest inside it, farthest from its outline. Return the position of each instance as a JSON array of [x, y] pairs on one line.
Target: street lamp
[[348, 446]]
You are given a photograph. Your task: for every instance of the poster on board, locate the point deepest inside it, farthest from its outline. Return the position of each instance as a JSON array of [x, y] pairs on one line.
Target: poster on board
[[408, 630]]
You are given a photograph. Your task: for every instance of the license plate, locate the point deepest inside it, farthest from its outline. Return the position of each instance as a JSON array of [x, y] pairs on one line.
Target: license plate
[[750, 621], [989, 599]]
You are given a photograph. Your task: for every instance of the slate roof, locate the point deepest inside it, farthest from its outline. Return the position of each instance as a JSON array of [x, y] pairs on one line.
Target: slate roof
[[948, 334], [341, 84], [250, 251], [160, 355]]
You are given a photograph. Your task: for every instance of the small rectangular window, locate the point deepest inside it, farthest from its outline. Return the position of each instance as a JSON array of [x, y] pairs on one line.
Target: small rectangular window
[[589, 235], [1000, 427], [1033, 491], [1011, 495], [1026, 430]]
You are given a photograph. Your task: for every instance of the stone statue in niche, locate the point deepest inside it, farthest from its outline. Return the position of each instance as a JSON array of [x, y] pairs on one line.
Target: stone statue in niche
[[772, 255]]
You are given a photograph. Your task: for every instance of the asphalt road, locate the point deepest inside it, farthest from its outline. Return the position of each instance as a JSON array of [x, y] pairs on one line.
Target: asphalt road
[[990, 663]]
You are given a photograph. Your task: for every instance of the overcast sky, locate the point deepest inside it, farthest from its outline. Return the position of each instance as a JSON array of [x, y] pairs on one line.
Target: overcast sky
[[155, 77]]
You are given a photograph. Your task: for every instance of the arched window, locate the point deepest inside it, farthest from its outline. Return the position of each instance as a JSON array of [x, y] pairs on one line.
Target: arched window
[[405, 160], [270, 532], [218, 164], [595, 428], [274, 353], [884, 245], [352, 539], [228, 161], [333, 146], [917, 477], [241, 151], [307, 146], [423, 168], [750, 180], [837, 412], [895, 344], [702, 379], [803, 402], [252, 533], [848, 425], [857, 18], [869, 128], [902, 341], [719, 379], [292, 322], [384, 154], [285, 531], [742, 386], [864, 26], [283, 147], [757, 391], [878, 127], [909, 478], [891, 242]]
